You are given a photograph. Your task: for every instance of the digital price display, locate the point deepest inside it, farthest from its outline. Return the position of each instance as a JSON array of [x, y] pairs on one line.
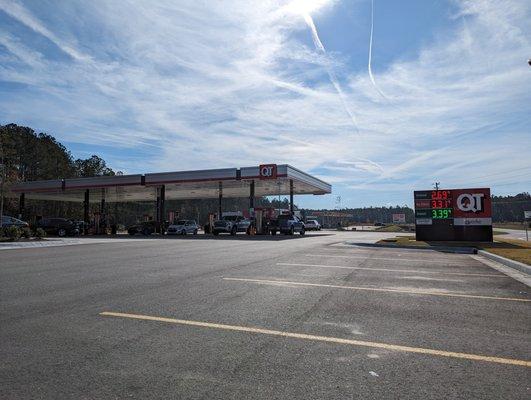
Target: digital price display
[[441, 213], [441, 194], [441, 199]]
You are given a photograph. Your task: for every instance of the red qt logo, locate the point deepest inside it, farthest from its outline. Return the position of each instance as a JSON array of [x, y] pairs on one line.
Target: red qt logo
[[268, 171]]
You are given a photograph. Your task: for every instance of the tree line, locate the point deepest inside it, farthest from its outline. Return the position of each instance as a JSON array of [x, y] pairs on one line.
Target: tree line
[[28, 155], [504, 209]]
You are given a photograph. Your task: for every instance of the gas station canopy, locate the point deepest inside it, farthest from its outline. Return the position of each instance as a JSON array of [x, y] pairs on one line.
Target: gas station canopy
[[263, 180]]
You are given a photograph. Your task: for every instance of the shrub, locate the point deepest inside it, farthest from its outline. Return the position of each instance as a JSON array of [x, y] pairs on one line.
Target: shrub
[[25, 232], [40, 233], [12, 232]]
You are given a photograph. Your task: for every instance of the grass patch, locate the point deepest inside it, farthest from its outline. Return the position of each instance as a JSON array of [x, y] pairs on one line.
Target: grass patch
[[514, 249], [509, 225], [517, 250], [393, 228], [497, 233]]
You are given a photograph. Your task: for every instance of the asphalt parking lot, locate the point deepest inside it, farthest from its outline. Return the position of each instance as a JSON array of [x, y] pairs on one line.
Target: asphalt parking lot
[[303, 318]]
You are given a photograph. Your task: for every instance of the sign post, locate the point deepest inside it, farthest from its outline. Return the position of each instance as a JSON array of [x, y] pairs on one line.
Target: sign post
[[527, 218]]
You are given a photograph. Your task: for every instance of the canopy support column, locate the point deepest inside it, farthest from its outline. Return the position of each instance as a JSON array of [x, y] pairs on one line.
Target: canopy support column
[[160, 211], [291, 196], [251, 195], [21, 205], [86, 205], [220, 197], [162, 208]]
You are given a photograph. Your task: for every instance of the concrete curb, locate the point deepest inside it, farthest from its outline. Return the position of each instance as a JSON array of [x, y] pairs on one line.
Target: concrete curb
[[526, 269], [444, 249]]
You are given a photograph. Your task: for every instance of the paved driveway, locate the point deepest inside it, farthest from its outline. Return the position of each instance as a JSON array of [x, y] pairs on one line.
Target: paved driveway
[[297, 318]]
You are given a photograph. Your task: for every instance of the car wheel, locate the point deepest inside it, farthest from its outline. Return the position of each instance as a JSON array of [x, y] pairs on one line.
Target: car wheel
[[146, 232], [215, 233], [183, 232], [195, 232], [233, 231], [291, 230], [61, 232], [273, 232], [303, 231]]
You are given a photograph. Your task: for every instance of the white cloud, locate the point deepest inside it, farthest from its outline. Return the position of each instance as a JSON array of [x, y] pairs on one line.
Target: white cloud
[[211, 84]]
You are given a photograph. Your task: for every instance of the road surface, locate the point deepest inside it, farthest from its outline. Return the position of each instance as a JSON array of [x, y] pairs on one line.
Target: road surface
[[282, 318]]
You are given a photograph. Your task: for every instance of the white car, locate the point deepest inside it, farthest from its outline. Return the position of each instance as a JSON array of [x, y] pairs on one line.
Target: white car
[[183, 227], [312, 225]]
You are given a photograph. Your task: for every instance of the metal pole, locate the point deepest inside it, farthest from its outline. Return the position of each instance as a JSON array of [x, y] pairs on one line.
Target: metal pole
[[220, 196]]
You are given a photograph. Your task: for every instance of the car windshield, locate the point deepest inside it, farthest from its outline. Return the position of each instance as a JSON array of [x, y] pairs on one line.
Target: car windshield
[[230, 218], [180, 222]]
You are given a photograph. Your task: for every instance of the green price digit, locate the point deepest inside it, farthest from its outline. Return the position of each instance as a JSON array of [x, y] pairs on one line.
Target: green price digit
[[434, 213]]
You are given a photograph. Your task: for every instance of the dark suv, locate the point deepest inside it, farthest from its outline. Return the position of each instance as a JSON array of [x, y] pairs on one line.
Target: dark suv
[[58, 226], [288, 225], [146, 228]]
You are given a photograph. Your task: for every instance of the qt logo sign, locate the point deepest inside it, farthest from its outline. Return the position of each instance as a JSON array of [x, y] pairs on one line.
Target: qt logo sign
[[268, 171], [470, 202]]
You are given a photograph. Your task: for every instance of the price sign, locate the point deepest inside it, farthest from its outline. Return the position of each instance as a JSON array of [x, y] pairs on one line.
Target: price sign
[[456, 214]]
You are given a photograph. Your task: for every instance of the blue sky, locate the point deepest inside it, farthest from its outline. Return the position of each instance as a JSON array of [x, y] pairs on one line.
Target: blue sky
[[176, 85]]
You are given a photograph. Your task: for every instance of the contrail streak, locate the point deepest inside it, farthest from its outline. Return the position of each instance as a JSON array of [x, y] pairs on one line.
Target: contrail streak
[[319, 45], [370, 53]]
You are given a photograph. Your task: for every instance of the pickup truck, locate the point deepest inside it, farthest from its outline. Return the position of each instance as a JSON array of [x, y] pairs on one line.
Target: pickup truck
[[288, 225], [231, 224]]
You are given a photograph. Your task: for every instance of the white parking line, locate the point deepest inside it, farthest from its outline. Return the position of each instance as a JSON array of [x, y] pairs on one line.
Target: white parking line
[[392, 270], [429, 292], [398, 258]]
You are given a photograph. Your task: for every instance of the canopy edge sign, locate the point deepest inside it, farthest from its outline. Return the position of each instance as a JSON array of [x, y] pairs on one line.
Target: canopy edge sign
[[268, 171]]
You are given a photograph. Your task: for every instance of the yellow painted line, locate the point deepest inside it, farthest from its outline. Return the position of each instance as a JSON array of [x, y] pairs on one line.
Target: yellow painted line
[[370, 289], [328, 339], [392, 270]]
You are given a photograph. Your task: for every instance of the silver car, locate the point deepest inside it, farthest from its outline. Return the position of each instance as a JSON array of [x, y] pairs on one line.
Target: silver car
[[312, 225], [183, 227]]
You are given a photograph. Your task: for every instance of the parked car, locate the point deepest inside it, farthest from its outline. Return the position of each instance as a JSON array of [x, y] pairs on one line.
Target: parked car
[[183, 227], [146, 228], [58, 226], [231, 224], [312, 225], [288, 225], [12, 221]]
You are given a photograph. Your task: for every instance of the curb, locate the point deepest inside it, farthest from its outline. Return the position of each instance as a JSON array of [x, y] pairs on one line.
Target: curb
[[444, 249], [526, 269]]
